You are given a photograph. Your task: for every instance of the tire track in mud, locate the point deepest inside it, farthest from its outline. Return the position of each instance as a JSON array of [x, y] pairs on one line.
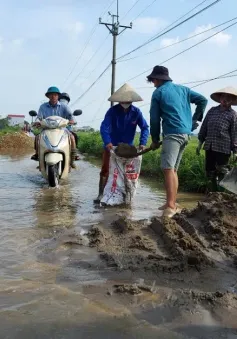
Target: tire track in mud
[[203, 237]]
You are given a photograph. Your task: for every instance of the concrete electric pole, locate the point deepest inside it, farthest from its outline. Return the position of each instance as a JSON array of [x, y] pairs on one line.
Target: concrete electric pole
[[114, 30]]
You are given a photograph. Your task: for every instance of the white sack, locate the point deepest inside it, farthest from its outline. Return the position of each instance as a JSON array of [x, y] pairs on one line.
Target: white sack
[[123, 180]]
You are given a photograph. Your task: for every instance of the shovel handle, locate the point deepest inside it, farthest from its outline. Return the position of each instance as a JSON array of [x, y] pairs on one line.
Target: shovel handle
[[146, 150]]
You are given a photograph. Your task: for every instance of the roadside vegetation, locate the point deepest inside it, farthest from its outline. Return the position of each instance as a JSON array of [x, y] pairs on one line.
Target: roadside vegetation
[[12, 137], [5, 129], [191, 172]]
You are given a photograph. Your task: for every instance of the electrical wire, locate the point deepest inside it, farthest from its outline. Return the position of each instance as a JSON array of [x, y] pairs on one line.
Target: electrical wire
[[169, 30], [89, 88], [86, 44], [222, 76], [203, 82], [130, 9], [82, 70], [195, 82], [226, 75], [184, 15], [178, 42], [185, 50], [81, 54], [96, 67], [145, 9], [96, 52], [111, 3], [98, 110]]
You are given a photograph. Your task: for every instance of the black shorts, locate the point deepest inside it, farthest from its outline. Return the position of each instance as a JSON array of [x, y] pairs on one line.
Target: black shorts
[[214, 159]]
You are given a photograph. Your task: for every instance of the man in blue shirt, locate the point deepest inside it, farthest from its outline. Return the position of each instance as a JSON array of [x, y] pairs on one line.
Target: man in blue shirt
[[171, 104], [54, 107], [119, 126]]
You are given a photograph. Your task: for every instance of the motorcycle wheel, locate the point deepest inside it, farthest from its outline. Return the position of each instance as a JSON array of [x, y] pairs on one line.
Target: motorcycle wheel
[[53, 176]]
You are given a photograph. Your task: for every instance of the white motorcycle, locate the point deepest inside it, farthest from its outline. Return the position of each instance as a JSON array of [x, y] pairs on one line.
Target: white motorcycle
[[54, 148]]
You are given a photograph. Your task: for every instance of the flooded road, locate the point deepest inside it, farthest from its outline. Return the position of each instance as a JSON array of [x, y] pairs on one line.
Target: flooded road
[[52, 287]]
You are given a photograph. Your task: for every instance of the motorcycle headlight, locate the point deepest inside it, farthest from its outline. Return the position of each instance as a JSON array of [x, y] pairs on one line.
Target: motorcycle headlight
[[52, 123]]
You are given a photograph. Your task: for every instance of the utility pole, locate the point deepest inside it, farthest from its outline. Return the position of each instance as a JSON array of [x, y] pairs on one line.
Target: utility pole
[[114, 30]]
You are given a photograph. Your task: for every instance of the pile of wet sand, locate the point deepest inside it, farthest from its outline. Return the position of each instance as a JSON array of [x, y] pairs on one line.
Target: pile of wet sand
[[16, 141], [198, 238]]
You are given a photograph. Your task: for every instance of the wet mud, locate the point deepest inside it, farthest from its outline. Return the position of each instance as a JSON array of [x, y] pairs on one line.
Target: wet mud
[[72, 270], [193, 255], [195, 239], [126, 151]]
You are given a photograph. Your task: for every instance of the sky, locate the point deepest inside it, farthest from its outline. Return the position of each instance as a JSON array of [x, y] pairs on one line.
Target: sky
[[42, 44]]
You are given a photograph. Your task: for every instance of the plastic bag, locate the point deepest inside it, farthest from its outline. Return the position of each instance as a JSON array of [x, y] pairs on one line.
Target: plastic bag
[[122, 181]]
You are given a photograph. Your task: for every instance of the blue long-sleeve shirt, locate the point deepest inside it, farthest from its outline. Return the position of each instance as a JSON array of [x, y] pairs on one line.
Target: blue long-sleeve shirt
[[120, 127], [171, 103], [60, 109]]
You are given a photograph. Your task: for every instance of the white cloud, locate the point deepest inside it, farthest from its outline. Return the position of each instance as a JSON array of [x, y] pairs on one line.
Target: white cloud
[[169, 41], [220, 39], [148, 25]]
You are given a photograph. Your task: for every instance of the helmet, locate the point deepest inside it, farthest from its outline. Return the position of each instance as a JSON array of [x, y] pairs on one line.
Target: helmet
[[52, 89], [65, 96]]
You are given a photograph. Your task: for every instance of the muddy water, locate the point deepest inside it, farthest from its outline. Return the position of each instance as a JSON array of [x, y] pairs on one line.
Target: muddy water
[[53, 285]]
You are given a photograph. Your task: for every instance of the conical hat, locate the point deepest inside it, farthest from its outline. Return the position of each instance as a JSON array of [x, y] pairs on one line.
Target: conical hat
[[125, 94], [228, 90]]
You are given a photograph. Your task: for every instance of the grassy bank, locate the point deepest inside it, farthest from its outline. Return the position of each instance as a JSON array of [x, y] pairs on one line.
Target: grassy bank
[[191, 171], [8, 129]]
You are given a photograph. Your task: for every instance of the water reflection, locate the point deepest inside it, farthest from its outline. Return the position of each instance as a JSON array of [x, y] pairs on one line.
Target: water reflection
[[13, 155], [55, 207]]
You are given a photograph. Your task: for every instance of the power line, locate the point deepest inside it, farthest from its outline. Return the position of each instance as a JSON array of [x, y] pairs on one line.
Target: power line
[[169, 30], [195, 81], [226, 75], [86, 44], [184, 15], [88, 89], [82, 70], [223, 76], [81, 54], [178, 42], [203, 82], [99, 108], [102, 59], [185, 50], [99, 63], [144, 10], [114, 29], [111, 3], [164, 31], [130, 9]]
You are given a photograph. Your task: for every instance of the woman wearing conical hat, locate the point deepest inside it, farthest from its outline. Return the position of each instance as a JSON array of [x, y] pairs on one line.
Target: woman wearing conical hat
[[119, 126], [219, 134]]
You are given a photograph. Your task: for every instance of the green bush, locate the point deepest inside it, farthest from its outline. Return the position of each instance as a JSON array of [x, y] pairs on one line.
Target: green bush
[[191, 172], [9, 129], [91, 143]]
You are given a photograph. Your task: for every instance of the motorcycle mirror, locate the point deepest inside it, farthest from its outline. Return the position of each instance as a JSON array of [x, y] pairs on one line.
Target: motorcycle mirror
[[77, 112], [33, 113]]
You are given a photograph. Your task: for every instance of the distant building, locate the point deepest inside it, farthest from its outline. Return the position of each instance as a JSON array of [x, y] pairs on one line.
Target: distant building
[[16, 120]]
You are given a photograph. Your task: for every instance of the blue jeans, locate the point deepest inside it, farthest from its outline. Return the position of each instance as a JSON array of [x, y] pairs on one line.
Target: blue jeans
[[173, 146]]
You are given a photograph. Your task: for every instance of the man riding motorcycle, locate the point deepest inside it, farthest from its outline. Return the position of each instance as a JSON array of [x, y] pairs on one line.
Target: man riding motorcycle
[[55, 107], [65, 99]]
